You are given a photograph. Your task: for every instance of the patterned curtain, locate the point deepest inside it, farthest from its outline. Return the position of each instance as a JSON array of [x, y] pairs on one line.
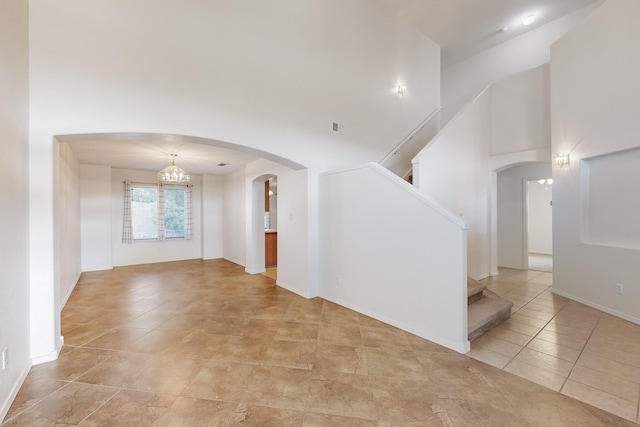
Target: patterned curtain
[[160, 212], [188, 221], [127, 228]]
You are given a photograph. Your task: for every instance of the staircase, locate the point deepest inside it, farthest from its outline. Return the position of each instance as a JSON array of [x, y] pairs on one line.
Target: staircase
[[485, 309]]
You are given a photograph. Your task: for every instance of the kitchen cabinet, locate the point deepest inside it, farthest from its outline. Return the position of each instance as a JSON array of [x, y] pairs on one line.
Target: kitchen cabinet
[[270, 248]]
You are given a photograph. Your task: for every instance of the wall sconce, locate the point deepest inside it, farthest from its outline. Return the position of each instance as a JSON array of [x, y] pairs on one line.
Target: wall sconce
[[562, 159], [402, 88]]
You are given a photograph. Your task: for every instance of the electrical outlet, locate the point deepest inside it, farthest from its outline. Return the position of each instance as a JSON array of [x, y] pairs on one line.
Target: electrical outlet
[[5, 358], [619, 288]]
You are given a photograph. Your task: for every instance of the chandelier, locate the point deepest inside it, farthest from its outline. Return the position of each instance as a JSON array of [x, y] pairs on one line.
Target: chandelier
[[173, 174]]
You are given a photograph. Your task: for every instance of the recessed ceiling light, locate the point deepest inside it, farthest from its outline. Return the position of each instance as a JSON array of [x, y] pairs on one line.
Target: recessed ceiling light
[[504, 29], [528, 20]]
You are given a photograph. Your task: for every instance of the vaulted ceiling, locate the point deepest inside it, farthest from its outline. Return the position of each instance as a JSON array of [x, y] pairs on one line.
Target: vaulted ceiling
[[461, 27]]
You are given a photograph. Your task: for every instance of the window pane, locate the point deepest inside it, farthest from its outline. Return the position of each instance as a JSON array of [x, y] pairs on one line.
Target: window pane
[[174, 213], [144, 213]]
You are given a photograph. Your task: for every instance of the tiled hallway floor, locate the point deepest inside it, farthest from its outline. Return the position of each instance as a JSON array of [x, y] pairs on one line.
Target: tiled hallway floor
[[201, 343], [563, 345]]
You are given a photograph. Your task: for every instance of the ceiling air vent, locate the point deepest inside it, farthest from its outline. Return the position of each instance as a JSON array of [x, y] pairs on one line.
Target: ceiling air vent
[[337, 127], [221, 164]]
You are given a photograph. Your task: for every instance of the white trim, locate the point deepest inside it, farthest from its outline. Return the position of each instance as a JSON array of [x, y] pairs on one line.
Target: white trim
[[75, 283], [6, 405], [292, 289], [256, 271], [463, 349], [50, 356], [602, 308]]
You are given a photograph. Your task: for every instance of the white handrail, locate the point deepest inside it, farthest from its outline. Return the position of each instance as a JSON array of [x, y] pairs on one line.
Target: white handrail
[[408, 138]]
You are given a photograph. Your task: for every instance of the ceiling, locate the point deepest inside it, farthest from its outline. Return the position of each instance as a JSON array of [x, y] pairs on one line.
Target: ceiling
[[155, 154], [461, 27], [465, 27]]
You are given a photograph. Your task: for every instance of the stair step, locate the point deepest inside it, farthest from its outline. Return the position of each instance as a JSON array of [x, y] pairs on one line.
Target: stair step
[[474, 290], [486, 313]]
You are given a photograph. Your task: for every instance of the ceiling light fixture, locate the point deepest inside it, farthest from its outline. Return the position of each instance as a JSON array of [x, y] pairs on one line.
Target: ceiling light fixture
[[402, 88], [529, 20], [172, 174]]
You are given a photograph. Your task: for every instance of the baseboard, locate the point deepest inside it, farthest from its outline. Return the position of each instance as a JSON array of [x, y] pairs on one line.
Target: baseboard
[[4, 409], [291, 289], [51, 356], [256, 271], [597, 306], [66, 298], [460, 348]]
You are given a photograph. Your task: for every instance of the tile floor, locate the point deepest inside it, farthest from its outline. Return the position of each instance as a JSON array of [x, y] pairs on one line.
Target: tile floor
[[201, 343], [563, 345]]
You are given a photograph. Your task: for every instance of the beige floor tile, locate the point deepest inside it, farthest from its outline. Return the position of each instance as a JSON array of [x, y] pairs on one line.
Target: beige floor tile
[[521, 328], [277, 387], [523, 316], [384, 336], [341, 394], [599, 380], [138, 408], [561, 339], [489, 357], [339, 335], [66, 406], [297, 331], [203, 343], [340, 358], [187, 411], [544, 361], [497, 345], [510, 336], [600, 399], [554, 349], [610, 367], [253, 415], [218, 380], [320, 420], [534, 373]]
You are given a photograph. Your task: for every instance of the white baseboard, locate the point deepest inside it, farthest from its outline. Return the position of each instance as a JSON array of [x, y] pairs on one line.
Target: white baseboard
[[4, 409], [66, 297], [597, 306], [51, 356]]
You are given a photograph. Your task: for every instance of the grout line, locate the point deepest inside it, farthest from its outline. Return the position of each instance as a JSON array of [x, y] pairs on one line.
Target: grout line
[[581, 351]]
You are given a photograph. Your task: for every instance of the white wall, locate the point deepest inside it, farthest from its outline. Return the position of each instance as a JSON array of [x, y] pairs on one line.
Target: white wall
[[95, 217], [595, 92], [14, 166], [234, 215], [520, 112], [539, 218], [512, 247], [393, 254], [68, 219], [212, 191], [458, 167], [452, 169], [461, 81], [151, 251], [269, 75], [297, 256]]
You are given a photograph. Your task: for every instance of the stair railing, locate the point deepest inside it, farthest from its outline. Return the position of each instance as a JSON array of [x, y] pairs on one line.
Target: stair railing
[[410, 136]]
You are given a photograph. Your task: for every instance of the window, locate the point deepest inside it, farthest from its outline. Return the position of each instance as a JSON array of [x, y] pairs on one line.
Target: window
[[144, 213], [174, 213], [156, 212]]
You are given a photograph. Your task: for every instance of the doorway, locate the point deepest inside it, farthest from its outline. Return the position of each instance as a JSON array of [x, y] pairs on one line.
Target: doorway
[[539, 242], [270, 227]]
